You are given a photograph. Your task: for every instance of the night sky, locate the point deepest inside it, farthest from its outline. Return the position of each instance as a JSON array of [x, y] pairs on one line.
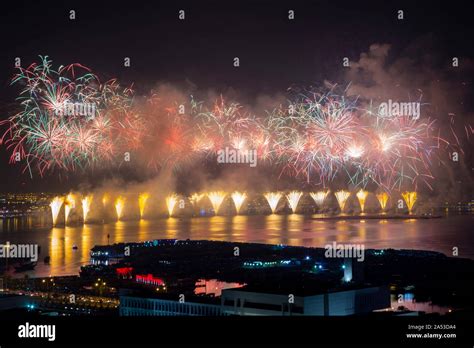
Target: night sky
[[275, 53]]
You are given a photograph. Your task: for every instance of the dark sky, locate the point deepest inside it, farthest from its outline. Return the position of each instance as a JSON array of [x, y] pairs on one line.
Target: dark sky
[[274, 52]]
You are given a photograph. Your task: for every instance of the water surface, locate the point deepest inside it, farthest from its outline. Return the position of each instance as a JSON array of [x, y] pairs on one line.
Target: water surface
[[298, 230]]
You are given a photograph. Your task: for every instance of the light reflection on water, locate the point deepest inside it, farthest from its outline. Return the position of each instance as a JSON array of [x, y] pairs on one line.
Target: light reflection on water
[[436, 234]]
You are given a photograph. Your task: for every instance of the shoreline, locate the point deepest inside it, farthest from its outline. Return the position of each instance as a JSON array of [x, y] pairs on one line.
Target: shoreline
[[412, 273], [401, 251], [378, 217]]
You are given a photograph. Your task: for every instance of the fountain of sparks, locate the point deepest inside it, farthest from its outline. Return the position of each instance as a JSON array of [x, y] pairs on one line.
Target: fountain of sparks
[[238, 198], [273, 198], [142, 199], [216, 199], [342, 197], [293, 199], [86, 207], [362, 197], [119, 205], [319, 197], [410, 198], [171, 201], [383, 200], [55, 205]]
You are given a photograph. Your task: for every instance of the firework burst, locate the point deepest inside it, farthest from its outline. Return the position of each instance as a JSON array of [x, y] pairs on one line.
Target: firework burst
[[320, 136]]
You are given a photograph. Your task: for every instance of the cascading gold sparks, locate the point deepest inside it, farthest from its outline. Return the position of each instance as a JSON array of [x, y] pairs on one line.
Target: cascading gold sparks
[[293, 199], [171, 201], [410, 198], [69, 205], [55, 205], [362, 197], [342, 197], [195, 198], [383, 200], [142, 199], [105, 199], [216, 198], [86, 206], [319, 197], [273, 198], [238, 198], [119, 205]]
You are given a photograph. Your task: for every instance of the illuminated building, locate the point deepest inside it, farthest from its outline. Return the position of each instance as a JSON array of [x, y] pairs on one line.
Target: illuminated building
[[137, 306], [149, 279], [243, 302], [213, 287], [124, 272], [337, 303]]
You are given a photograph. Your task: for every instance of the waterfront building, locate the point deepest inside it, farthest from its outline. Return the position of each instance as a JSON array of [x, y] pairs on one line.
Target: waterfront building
[[241, 302]]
